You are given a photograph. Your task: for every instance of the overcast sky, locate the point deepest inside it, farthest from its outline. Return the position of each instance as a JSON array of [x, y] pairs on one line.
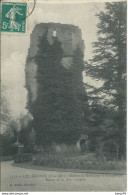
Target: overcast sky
[[15, 46]]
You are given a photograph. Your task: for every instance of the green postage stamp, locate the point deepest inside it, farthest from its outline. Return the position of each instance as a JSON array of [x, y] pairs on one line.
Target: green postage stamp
[[13, 17]]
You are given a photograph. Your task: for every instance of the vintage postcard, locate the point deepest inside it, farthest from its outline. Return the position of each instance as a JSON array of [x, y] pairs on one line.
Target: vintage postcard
[[63, 96]]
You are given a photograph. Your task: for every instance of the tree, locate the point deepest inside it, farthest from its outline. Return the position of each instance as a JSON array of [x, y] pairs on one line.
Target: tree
[[7, 126], [57, 111], [26, 134], [109, 65], [5, 112]]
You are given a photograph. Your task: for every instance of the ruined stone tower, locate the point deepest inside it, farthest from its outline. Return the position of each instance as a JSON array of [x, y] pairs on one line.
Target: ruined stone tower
[[54, 68]]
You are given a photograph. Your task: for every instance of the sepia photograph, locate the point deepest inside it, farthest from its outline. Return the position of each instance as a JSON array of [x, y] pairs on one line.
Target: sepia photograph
[[63, 96]]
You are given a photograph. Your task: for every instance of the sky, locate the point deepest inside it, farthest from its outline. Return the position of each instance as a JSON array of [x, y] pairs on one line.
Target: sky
[[14, 46]]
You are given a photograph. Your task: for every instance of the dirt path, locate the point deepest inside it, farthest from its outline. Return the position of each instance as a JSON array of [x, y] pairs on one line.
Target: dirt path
[[21, 179]]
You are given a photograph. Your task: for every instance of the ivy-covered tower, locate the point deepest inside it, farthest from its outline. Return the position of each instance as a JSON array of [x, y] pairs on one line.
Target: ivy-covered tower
[[54, 82]]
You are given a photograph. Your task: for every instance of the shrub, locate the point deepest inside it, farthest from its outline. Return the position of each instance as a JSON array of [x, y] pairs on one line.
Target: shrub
[[78, 162]]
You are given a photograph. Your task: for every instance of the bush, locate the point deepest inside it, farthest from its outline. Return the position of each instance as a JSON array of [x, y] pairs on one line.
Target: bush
[[7, 147], [78, 162], [22, 158]]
